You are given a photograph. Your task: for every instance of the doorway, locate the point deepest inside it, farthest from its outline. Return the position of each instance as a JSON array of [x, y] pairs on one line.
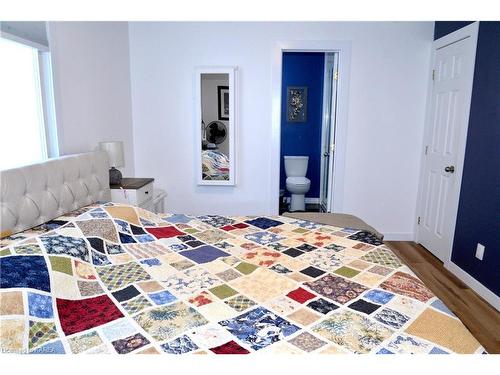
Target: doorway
[[308, 119], [338, 133]]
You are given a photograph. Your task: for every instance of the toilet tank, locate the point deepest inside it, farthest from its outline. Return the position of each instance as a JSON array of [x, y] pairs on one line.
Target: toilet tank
[[296, 166]]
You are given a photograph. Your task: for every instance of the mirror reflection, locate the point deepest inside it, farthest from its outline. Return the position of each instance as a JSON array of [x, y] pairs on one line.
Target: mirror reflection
[[215, 111]]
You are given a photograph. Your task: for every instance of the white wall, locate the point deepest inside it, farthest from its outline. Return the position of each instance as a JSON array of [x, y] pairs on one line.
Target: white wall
[[92, 86], [388, 78]]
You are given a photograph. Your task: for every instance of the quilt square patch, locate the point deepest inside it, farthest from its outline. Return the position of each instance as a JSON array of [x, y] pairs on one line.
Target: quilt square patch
[[307, 342], [166, 322], [261, 256], [162, 298], [322, 306], [264, 238], [240, 303], [11, 303], [246, 268], [212, 236], [131, 343], [80, 315], [403, 283], [180, 345], [84, 342], [292, 252], [120, 275], [384, 257], [61, 264], [443, 330], [352, 331], [312, 271], [336, 288], [190, 281], [306, 247], [392, 318], [259, 327], [28, 249], [264, 223], [40, 305], [74, 247], [223, 291], [346, 272], [215, 220], [231, 347], [366, 237], [24, 271], [300, 295], [103, 228], [204, 254], [228, 275], [40, 333], [136, 304], [164, 232], [304, 316], [126, 293], [364, 306], [378, 296]]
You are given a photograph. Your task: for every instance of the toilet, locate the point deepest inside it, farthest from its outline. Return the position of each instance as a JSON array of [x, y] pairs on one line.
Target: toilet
[[296, 182]]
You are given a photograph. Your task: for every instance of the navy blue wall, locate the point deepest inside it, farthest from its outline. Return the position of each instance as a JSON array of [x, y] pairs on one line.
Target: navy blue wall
[[303, 138], [478, 218], [442, 28]]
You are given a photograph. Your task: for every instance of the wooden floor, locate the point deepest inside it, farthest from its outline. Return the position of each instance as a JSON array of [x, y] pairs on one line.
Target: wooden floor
[[480, 317]]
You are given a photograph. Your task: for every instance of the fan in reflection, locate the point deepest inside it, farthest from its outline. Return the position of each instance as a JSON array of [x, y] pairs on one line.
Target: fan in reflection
[[215, 163], [214, 134]]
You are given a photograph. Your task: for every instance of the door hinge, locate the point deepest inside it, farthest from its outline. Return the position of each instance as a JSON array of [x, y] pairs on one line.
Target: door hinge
[[336, 76], [418, 220], [426, 149], [433, 74]]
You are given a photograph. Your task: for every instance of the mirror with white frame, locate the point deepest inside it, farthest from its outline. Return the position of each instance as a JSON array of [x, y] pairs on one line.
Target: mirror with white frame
[[215, 113]]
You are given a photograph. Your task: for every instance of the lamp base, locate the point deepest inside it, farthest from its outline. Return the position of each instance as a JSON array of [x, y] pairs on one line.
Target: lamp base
[[115, 176]]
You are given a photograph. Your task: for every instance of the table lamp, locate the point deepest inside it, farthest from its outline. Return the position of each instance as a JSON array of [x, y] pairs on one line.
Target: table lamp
[[116, 159]]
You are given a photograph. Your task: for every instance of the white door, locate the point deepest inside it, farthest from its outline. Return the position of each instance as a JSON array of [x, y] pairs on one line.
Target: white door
[[328, 130], [445, 138]]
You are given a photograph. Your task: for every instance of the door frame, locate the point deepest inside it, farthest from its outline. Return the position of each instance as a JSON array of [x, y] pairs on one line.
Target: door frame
[[343, 48], [469, 31]]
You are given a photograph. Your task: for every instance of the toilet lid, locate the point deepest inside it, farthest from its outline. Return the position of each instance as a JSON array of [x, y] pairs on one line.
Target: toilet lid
[[298, 180]]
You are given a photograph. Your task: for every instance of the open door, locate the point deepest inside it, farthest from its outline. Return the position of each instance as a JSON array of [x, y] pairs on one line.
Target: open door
[[328, 130], [453, 58]]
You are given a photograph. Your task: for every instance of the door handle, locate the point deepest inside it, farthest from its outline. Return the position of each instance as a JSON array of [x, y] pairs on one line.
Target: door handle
[[450, 169]]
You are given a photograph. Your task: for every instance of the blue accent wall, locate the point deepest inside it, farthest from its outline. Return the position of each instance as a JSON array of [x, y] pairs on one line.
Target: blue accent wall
[[478, 219], [442, 28], [303, 138]]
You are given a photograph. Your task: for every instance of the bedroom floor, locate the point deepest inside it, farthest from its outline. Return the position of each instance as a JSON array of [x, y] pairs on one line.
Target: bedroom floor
[[480, 318]]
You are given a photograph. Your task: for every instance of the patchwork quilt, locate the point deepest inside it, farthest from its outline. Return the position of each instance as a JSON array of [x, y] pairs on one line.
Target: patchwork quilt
[[118, 279]]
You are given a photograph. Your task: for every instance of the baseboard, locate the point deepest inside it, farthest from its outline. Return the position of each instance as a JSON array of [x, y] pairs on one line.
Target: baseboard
[[402, 236], [475, 285]]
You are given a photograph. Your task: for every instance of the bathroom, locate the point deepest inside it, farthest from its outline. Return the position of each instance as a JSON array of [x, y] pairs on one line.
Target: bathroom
[[308, 109]]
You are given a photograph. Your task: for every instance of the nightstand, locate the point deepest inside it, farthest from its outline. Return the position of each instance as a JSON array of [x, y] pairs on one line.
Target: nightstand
[[134, 191]]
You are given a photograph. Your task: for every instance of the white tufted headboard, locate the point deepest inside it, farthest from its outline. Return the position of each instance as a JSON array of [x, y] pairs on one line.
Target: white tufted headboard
[[34, 194]]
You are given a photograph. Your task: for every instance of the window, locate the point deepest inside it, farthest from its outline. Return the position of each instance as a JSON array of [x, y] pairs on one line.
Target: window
[[27, 126]]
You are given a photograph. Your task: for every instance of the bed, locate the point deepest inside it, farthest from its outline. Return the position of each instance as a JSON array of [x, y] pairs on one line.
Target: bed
[[97, 277], [215, 165]]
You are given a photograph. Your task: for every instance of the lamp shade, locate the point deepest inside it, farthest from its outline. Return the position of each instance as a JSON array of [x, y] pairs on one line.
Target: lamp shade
[[115, 153]]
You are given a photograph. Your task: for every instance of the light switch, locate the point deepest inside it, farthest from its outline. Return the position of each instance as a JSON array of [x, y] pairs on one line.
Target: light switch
[[480, 251]]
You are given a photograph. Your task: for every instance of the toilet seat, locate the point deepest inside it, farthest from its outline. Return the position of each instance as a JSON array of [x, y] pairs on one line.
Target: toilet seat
[[300, 181]]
